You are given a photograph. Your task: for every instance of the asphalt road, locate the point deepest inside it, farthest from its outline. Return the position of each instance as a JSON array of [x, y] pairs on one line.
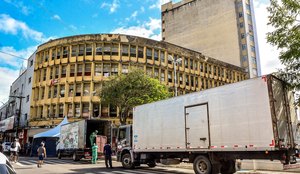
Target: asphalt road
[[27, 165]]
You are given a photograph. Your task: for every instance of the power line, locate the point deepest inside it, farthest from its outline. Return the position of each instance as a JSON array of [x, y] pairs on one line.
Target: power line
[[13, 55]]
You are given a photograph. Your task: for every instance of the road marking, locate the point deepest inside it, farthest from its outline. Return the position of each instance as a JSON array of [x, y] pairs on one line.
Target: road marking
[[123, 172]]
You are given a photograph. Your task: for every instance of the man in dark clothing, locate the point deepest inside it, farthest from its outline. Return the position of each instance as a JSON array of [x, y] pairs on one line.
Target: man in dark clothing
[[107, 152]]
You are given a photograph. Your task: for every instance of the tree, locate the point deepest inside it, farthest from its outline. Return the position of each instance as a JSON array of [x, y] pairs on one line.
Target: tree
[[128, 91], [285, 18]]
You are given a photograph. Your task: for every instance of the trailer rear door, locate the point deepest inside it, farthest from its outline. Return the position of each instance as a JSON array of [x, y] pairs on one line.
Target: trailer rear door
[[197, 126]]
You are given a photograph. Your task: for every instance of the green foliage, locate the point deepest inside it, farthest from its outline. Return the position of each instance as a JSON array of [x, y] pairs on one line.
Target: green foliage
[[128, 91], [285, 18]]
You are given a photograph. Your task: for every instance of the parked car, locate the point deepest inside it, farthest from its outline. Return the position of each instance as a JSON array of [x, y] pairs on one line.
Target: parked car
[[5, 166], [6, 146]]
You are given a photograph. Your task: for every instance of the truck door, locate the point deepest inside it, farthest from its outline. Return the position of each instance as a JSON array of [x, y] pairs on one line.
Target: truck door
[[197, 126]]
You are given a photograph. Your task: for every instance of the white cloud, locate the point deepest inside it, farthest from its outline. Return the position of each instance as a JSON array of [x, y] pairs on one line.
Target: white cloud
[[8, 76], [268, 54], [12, 26], [132, 16], [159, 3], [10, 67], [73, 27], [112, 6], [19, 4], [56, 17], [150, 29]]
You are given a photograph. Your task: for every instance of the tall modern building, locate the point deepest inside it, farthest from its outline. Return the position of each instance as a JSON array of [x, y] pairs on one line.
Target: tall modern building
[[68, 73], [222, 29]]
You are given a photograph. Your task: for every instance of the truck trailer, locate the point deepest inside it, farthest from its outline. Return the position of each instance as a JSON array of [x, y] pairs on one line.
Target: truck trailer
[[74, 138], [251, 119]]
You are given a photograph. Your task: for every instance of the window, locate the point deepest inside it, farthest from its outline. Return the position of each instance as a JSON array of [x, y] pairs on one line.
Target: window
[[191, 64], [187, 80], [140, 52], [81, 50], [85, 110], [86, 89], [65, 52], [29, 80], [49, 92], [133, 51], [53, 54], [98, 49], [71, 90], [70, 110], [180, 79], [31, 62], [124, 69], [115, 50], [55, 92], [162, 56], [186, 63], [62, 91], [106, 49], [250, 28], [98, 69], [46, 56], [124, 50], [252, 48], [79, 69], [77, 110], [106, 70], [56, 72], [114, 69], [169, 59], [243, 35], [61, 110], [240, 14], [156, 55], [149, 53], [248, 7], [74, 50], [58, 53], [149, 71], [244, 58], [252, 38], [44, 74], [112, 111], [192, 81], [72, 70], [209, 69], [95, 110], [63, 71], [88, 50], [87, 70], [27, 98], [241, 25], [201, 67], [162, 76], [169, 76], [78, 90], [244, 47], [253, 60]]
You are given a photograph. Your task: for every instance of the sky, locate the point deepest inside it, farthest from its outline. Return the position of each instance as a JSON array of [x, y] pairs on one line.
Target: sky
[[25, 24]]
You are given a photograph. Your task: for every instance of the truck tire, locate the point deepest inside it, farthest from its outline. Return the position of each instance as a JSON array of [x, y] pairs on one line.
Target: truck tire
[[202, 165], [228, 167], [75, 157], [151, 164], [127, 161]]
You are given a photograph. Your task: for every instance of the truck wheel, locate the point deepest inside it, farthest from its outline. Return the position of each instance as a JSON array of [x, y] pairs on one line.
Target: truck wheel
[[127, 162], [151, 164], [202, 165], [228, 167], [75, 157], [59, 155]]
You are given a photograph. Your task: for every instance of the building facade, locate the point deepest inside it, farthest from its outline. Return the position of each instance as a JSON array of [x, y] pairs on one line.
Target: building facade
[[222, 29], [68, 73], [15, 113]]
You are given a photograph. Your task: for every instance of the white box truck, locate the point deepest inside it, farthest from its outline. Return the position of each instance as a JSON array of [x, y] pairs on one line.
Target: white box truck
[[251, 119], [74, 138]]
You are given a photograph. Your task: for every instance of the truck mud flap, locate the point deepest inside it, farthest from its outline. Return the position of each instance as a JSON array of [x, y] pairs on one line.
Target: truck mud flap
[[291, 166]]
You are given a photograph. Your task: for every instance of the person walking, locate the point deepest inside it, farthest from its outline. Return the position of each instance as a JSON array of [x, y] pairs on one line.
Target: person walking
[[41, 154], [14, 149], [107, 152]]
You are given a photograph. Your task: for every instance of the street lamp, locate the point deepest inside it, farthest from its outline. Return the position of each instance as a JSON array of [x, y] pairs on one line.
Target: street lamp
[[175, 62]]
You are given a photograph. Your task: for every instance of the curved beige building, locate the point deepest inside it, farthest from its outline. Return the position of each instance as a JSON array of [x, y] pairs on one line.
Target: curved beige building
[[68, 72]]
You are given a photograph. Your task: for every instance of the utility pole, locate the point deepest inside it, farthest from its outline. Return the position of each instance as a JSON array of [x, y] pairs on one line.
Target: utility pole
[[175, 62], [19, 114]]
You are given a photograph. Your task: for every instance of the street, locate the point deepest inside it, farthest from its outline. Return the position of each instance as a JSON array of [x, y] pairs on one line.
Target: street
[[27, 165]]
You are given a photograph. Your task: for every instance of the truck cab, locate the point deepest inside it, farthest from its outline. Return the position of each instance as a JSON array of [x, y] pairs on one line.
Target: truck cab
[[124, 142]]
